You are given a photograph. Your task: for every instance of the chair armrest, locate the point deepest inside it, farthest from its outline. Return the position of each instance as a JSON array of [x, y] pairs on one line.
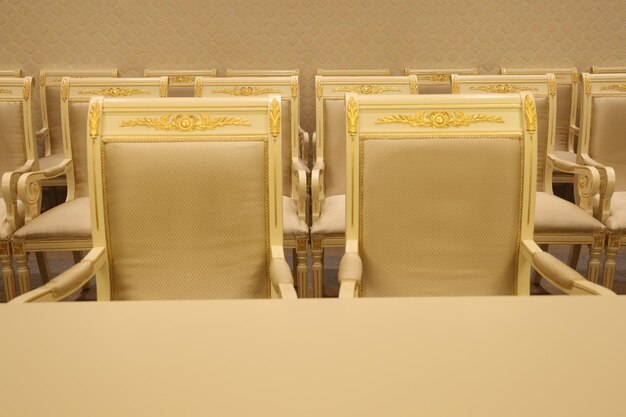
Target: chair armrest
[[350, 272], [317, 188], [43, 134], [9, 192], [588, 183], [559, 274], [304, 146], [313, 146], [281, 278], [607, 186], [29, 190], [68, 281], [574, 132], [298, 183]]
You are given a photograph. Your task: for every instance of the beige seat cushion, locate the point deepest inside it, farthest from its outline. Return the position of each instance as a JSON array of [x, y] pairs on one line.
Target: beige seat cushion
[[6, 230], [617, 215], [555, 215], [68, 221], [293, 226], [332, 218]]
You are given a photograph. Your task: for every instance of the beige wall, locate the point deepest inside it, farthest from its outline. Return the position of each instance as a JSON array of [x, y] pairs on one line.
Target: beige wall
[[132, 35]]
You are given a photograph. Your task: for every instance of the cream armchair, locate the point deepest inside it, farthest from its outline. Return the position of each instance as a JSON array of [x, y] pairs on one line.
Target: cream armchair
[[437, 81], [294, 171], [185, 199], [602, 146], [328, 174], [18, 155], [410, 160], [181, 82], [67, 227], [557, 221]]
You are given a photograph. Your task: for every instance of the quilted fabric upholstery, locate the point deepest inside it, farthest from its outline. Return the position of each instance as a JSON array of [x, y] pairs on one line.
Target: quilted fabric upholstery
[[68, 221], [12, 146], [607, 142], [556, 215]]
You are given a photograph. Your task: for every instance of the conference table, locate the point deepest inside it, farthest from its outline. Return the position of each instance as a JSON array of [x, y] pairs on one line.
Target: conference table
[[483, 356]]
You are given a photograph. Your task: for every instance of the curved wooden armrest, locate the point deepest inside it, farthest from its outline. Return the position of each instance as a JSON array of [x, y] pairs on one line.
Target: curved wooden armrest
[[298, 183], [317, 188], [9, 192], [607, 186], [29, 190], [43, 134], [350, 272], [281, 278], [68, 281], [588, 184], [559, 274]]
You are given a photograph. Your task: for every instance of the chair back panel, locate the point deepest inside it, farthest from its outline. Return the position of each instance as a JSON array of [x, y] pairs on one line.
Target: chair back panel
[[335, 149], [53, 107], [607, 142], [12, 143], [437, 81], [563, 115], [78, 133]]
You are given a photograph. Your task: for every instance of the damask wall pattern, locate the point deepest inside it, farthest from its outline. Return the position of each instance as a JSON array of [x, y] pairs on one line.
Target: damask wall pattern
[[307, 34]]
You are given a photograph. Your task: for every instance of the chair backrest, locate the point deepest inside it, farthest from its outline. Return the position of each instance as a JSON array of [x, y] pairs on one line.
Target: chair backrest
[[544, 88], [50, 102], [603, 122], [608, 70], [75, 94], [261, 72], [567, 103], [186, 195], [288, 88], [330, 118], [354, 72], [440, 192], [437, 81], [181, 82], [16, 73]]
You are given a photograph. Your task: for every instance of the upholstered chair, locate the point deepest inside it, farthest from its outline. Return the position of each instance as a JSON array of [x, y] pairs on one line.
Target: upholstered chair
[[16, 73], [18, 155], [185, 200], [566, 114], [354, 72], [437, 81], [608, 70], [328, 190], [557, 221], [440, 192], [67, 226], [261, 72], [603, 146], [51, 133], [181, 82], [294, 172]]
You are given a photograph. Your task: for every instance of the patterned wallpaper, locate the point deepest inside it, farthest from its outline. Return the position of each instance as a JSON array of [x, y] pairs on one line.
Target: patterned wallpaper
[[307, 34]]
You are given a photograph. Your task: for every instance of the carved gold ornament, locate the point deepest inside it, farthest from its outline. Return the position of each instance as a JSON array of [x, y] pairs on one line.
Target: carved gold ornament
[[366, 89], [352, 116], [198, 87], [439, 78], [163, 87], [574, 75], [530, 114], [455, 86], [502, 88], [614, 241], [42, 78], [26, 89], [114, 91], [552, 86], [18, 248], [65, 89], [616, 87], [5, 91], [246, 91], [274, 117], [179, 79], [186, 122], [294, 87], [587, 82], [94, 120], [4, 249], [440, 120], [598, 241], [319, 88], [413, 82]]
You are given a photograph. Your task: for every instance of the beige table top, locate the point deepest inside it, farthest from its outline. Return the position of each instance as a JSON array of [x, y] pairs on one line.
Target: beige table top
[[513, 356]]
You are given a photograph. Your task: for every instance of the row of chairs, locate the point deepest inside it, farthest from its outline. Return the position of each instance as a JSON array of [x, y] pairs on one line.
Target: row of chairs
[[218, 159]]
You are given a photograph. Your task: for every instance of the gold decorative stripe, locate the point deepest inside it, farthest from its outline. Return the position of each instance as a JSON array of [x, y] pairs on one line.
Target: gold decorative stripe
[[5, 91], [503, 88], [274, 118], [366, 89], [94, 120], [179, 79], [616, 87], [439, 78], [440, 120], [186, 122], [246, 91], [352, 116], [114, 91], [530, 114]]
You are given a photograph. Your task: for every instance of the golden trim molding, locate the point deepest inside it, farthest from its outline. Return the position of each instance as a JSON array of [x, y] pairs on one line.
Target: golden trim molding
[[114, 91], [440, 120], [94, 120], [365, 89], [530, 114], [246, 91], [503, 88], [352, 116], [185, 122], [274, 117], [616, 87]]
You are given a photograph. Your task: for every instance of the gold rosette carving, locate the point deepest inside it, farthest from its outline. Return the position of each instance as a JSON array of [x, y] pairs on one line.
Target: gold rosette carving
[[440, 120], [246, 91], [114, 91], [366, 89], [186, 122], [503, 88]]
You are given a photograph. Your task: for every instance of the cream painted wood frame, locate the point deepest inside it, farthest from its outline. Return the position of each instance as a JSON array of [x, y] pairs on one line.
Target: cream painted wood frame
[[16, 90], [181, 82], [335, 88], [261, 72], [289, 90], [51, 80], [16, 73], [587, 185], [73, 90], [516, 118], [564, 77], [354, 72], [608, 70], [253, 118], [600, 86], [433, 80]]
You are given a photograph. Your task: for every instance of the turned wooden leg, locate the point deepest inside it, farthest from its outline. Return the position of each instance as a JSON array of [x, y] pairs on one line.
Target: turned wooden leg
[[609, 263], [317, 252], [44, 268], [302, 271], [595, 251], [536, 277], [574, 254], [23, 273], [7, 271]]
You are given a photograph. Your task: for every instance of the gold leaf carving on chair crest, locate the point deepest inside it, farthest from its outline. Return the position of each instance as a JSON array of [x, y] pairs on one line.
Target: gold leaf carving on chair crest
[[274, 118], [440, 120], [186, 122], [319, 88], [530, 114], [94, 120], [246, 91], [294, 87], [42, 78], [455, 86], [616, 87], [352, 116], [587, 81], [552, 85], [366, 89], [574, 75], [65, 89], [5, 91], [114, 91], [179, 79], [413, 82], [163, 87], [502, 88], [439, 78], [198, 87], [26, 89]]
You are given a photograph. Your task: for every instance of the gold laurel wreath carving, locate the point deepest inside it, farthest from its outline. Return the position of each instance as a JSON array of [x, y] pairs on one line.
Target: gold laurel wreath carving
[[587, 85], [352, 116], [413, 82], [179, 79], [94, 120], [552, 86], [440, 120], [319, 88], [366, 89], [186, 122], [26, 89], [616, 87], [274, 118], [114, 91], [246, 91], [65, 89], [294, 87], [163, 87], [530, 114], [502, 88]]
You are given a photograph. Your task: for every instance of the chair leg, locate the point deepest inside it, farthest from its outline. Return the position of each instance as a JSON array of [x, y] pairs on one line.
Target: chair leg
[[23, 272], [317, 252], [44, 268], [536, 277], [8, 277], [595, 251], [574, 254], [609, 263], [302, 271]]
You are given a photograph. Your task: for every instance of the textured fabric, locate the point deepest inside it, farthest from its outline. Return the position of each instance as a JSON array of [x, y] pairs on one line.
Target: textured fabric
[[53, 109], [332, 218], [560, 273], [607, 142], [285, 130], [350, 267], [563, 111], [186, 220], [12, 142], [335, 147], [180, 91], [541, 104], [443, 88], [65, 282], [616, 221], [555, 215], [78, 136], [430, 228], [293, 227], [68, 221]]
